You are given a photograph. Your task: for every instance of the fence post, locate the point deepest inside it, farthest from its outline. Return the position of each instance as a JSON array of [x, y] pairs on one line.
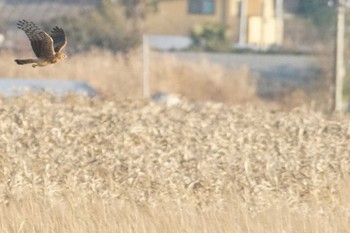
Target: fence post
[[242, 40], [145, 62], [339, 70]]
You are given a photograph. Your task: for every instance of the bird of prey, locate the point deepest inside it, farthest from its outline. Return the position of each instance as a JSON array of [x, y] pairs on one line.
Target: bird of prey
[[46, 46]]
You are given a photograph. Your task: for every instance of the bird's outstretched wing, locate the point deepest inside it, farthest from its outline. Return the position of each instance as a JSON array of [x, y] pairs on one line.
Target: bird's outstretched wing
[[41, 42], [59, 39]]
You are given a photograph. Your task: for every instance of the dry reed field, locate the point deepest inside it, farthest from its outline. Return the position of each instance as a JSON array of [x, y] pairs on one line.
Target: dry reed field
[[126, 165], [120, 163], [121, 76]]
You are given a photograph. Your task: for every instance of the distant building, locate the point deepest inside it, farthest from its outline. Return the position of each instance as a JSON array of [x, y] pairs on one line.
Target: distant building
[[265, 22], [256, 23], [178, 16]]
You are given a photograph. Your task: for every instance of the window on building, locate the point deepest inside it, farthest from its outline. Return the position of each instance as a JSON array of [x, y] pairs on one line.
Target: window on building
[[206, 7]]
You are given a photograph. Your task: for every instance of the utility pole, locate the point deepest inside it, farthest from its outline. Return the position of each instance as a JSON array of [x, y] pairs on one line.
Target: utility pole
[[223, 15], [145, 60], [264, 16], [242, 40], [279, 17], [339, 70]]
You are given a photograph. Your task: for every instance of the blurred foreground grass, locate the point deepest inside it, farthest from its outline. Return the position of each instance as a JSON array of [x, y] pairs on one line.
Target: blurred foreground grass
[[118, 165]]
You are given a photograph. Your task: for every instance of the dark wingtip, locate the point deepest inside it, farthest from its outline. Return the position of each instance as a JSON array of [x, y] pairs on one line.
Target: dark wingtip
[[20, 23], [56, 29]]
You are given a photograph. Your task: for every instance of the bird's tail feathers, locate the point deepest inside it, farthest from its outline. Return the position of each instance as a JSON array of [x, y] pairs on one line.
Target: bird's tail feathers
[[25, 61]]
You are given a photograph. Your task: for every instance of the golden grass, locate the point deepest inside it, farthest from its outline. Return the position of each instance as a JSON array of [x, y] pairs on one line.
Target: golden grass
[[107, 73], [80, 165], [125, 164], [202, 80], [99, 216], [121, 76]]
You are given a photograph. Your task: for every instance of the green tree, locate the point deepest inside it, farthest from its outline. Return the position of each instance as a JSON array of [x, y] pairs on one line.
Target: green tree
[[210, 37]]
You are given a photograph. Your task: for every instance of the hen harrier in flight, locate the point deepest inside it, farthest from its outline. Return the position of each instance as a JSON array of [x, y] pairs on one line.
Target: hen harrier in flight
[[47, 47]]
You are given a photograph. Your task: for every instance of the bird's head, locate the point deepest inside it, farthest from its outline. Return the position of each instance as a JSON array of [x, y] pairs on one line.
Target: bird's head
[[64, 56], [61, 56]]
